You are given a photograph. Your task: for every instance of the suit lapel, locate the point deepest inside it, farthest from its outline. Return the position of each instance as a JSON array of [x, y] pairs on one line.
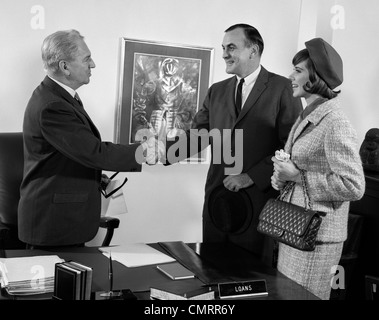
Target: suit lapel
[[57, 89], [300, 128], [315, 117], [259, 86]]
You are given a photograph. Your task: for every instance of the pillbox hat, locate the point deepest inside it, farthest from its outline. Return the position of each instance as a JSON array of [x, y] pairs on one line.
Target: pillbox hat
[[327, 61]]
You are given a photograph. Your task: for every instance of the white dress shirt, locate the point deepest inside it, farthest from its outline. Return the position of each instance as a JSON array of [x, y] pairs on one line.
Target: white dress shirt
[[248, 84], [71, 91]]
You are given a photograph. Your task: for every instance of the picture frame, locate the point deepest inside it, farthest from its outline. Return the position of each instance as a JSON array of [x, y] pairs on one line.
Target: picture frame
[[161, 86]]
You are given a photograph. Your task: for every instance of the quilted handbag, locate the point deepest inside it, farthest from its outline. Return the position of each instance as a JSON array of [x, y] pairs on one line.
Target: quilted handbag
[[291, 224]]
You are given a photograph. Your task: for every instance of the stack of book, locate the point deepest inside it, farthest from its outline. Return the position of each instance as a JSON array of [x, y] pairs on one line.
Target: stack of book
[[73, 281], [28, 275]]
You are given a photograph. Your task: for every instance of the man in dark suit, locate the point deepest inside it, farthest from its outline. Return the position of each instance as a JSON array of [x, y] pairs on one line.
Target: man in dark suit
[[267, 113], [63, 153]]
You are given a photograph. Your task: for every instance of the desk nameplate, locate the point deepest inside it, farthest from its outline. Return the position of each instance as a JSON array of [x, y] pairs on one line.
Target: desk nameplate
[[250, 288]]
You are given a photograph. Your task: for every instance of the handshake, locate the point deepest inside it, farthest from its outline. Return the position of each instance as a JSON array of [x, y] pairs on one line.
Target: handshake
[[153, 150]]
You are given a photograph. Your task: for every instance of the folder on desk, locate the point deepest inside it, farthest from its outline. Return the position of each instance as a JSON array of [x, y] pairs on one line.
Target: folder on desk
[[203, 270], [136, 255]]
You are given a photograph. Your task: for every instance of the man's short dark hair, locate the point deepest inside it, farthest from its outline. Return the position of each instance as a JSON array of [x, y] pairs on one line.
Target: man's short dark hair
[[252, 35]]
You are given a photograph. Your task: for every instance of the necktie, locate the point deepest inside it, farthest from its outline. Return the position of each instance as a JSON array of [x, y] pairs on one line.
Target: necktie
[[239, 96], [78, 99]]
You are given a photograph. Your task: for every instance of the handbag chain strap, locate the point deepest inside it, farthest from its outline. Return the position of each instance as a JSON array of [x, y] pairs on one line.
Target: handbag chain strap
[[291, 184], [305, 190]]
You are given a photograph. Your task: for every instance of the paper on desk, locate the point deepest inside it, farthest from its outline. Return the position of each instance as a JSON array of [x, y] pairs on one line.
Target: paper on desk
[[115, 204], [28, 275], [136, 255]]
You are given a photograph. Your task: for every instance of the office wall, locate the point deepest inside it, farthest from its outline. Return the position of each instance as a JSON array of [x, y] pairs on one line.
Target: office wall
[[165, 203], [359, 47]]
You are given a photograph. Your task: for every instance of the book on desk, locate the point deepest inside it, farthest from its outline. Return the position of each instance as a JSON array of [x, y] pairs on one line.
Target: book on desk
[[73, 281], [175, 271]]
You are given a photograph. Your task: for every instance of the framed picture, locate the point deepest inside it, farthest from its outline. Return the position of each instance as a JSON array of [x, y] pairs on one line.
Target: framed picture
[[161, 87]]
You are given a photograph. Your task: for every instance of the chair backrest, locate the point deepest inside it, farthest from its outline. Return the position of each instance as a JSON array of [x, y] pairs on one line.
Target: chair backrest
[[372, 287], [354, 235], [11, 172], [349, 257]]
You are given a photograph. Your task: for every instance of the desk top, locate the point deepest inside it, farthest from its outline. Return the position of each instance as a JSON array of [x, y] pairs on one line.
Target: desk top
[[232, 261]]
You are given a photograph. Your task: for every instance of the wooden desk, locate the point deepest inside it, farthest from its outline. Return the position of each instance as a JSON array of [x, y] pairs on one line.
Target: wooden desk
[[231, 260]]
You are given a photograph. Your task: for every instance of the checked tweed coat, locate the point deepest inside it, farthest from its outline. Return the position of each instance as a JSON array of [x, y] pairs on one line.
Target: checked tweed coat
[[324, 144]]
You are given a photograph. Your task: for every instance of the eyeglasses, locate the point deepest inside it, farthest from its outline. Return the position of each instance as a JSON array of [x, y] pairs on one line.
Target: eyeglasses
[[103, 186]]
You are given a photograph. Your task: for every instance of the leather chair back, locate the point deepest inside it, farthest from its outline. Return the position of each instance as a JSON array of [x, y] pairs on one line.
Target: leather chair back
[[349, 257], [11, 172]]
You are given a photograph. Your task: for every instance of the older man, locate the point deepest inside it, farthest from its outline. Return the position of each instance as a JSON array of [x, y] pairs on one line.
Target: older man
[[64, 155]]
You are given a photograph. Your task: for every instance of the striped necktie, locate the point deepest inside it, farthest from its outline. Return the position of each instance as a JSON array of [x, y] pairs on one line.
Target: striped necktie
[[78, 99]]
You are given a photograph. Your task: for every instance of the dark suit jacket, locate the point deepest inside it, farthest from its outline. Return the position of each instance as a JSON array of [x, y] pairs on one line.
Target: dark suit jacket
[[60, 200], [266, 119]]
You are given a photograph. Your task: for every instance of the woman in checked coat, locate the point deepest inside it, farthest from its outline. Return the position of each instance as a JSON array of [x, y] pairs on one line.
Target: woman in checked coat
[[323, 147]]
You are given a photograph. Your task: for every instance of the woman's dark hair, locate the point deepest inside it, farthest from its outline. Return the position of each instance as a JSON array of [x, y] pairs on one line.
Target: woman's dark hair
[[252, 35], [315, 85]]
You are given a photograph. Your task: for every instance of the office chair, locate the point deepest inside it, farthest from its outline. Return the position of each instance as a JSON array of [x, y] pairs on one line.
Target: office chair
[[349, 255], [372, 287], [11, 172]]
